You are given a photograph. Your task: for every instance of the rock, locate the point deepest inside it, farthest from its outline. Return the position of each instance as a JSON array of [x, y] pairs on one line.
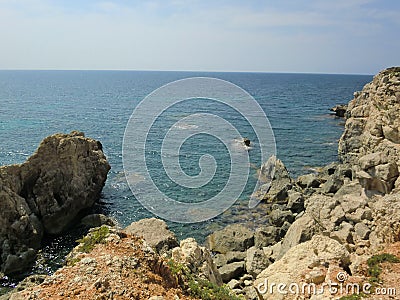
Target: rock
[[371, 136], [234, 237], [332, 185], [278, 181], [316, 275], [296, 202], [46, 193], [278, 217], [362, 231], [155, 232], [97, 220], [266, 236], [308, 181], [246, 141], [339, 110], [197, 259], [231, 271], [233, 284], [319, 252], [344, 234], [301, 231], [273, 252], [256, 261]]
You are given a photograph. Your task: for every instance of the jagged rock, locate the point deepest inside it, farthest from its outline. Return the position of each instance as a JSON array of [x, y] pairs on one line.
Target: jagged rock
[[308, 181], [300, 231], [96, 220], [371, 137], [300, 260], [155, 232], [278, 185], [332, 185], [266, 236], [256, 261], [234, 237], [231, 256], [344, 234], [46, 193], [278, 217], [231, 271], [296, 202], [198, 259], [234, 284], [362, 231]]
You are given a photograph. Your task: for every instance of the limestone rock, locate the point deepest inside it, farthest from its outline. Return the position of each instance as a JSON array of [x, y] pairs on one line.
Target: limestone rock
[[308, 181], [320, 251], [339, 110], [155, 232], [256, 261], [234, 237], [266, 236], [47, 192], [97, 220], [198, 259], [231, 271]]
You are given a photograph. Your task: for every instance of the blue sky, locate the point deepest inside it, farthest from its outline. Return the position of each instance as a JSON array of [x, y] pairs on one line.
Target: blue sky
[[317, 36]]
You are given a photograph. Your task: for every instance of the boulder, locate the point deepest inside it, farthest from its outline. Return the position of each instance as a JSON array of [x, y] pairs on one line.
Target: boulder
[[339, 110], [332, 185], [231, 271], [308, 181], [234, 237], [97, 220], [296, 202], [299, 262], [256, 261], [278, 217], [155, 232], [266, 236], [46, 194], [197, 259]]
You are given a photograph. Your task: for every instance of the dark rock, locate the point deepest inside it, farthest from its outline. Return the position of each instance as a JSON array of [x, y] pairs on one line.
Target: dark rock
[[296, 202], [332, 185], [266, 236], [234, 237], [308, 181], [278, 217], [246, 141], [155, 232], [256, 261], [339, 110]]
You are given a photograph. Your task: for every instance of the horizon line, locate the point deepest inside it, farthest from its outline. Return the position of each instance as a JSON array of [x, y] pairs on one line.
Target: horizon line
[[190, 71]]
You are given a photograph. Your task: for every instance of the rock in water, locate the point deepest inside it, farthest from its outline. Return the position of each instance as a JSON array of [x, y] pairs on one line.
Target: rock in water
[[46, 193], [340, 110]]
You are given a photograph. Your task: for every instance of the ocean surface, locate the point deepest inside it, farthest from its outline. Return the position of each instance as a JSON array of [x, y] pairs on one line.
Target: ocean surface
[[35, 104]]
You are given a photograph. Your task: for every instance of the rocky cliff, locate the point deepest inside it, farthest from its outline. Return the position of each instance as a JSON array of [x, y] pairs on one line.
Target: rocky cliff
[[371, 139], [46, 193]]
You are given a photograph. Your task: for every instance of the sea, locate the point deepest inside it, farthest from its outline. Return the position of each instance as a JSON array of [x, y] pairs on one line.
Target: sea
[[35, 104]]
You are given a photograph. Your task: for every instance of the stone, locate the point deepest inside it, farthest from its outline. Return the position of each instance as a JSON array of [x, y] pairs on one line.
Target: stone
[[45, 194], [316, 275], [278, 217], [297, 261], [301, 231], [256, 261], [232, 271], [97, 220], [372, 160], [233, 284], [296, 202], [235, 237], [266, 236], [198, 259], [308, 181], [362, 231], [343, 234], [332, 185], [155, 232], [278, 181], [246, 141]]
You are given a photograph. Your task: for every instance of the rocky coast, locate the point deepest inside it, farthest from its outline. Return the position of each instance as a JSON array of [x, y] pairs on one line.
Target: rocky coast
[[336, 227]]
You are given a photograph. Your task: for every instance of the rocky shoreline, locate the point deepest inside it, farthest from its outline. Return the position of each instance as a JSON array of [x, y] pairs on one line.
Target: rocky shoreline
[[342, 220]]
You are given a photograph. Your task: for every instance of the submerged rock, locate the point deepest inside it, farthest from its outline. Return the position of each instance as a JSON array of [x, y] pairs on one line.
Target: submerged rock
[[46, 193], [339, 110]]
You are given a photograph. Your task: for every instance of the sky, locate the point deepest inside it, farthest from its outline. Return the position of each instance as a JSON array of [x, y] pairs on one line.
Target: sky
[[302, 36]]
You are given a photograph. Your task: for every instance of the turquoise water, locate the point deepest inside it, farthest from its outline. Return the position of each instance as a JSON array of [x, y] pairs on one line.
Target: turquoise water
[[34, 104]]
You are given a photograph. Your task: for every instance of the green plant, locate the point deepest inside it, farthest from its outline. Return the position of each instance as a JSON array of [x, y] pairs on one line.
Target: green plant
[[96, 236], [374, 269], [352, 297], [199, 287]]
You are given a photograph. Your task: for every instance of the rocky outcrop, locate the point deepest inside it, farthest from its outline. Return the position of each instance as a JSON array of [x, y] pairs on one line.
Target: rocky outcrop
[[371, 139], [339, 110], [46, 193]]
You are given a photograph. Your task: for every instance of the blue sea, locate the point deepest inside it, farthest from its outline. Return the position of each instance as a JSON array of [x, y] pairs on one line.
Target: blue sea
[[35, 104]]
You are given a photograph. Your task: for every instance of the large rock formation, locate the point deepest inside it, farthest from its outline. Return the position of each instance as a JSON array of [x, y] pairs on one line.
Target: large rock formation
[[46, 193], [371, 140]]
